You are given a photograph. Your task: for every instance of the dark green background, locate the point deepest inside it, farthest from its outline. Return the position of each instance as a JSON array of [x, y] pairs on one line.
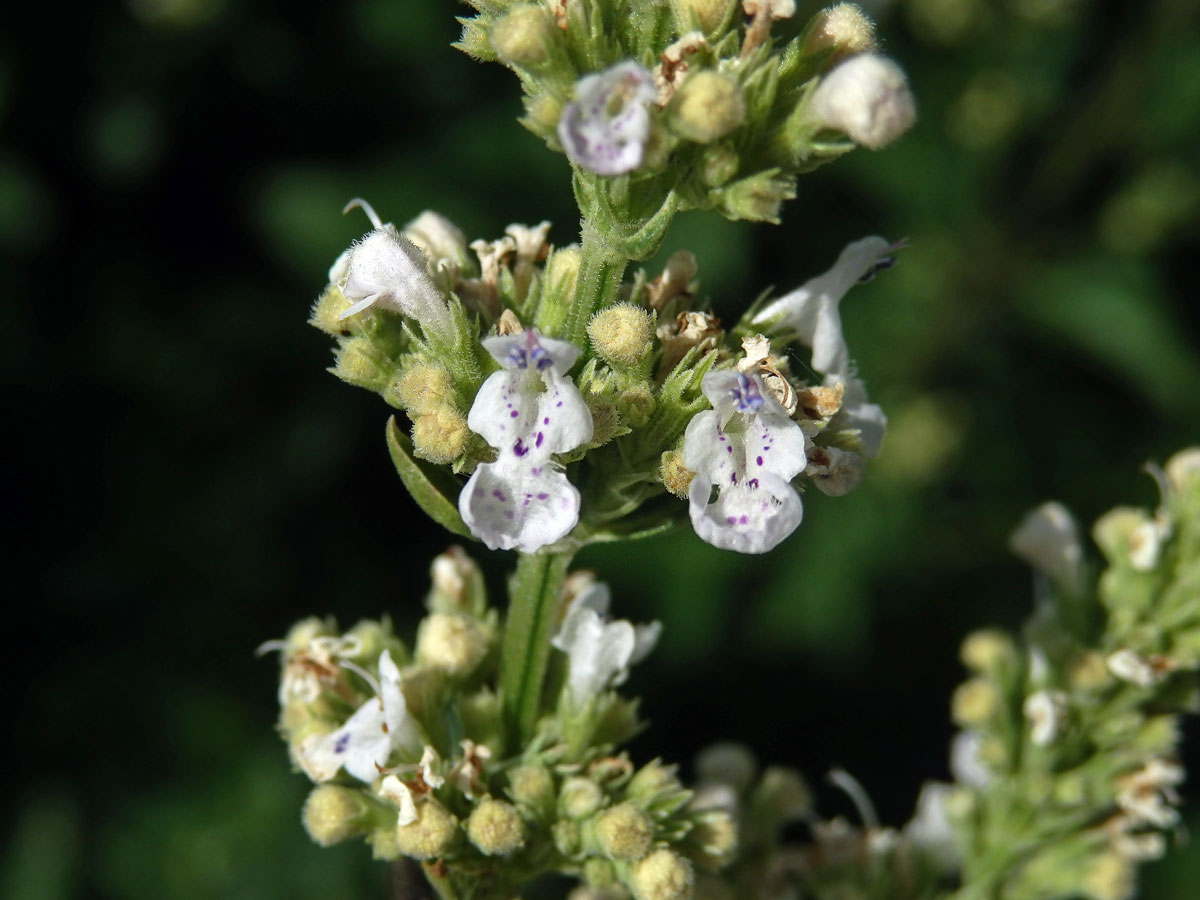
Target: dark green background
[[184, 479]]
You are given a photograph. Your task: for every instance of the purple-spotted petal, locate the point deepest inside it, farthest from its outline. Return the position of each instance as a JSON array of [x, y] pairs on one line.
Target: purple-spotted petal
[[531, 350], [753, 516], [512, 505], [605, 128]]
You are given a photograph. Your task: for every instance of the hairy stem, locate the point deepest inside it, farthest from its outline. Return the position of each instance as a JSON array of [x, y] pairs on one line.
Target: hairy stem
[[534, 591], [601, 267]]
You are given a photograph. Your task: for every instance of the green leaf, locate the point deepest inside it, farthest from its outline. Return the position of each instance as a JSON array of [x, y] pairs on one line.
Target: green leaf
[[429, 485]]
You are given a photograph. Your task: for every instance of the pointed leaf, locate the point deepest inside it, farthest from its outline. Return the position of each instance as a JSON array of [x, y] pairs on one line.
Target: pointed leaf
[[431, 486]]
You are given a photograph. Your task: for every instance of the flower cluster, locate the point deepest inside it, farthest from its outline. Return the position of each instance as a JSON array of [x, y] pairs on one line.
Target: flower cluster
[[1069, 738], [637, 409], [407, 749]]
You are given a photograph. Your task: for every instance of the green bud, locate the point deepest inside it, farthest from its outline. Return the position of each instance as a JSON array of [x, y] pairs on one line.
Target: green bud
[[622, 334], [975, 702], [431, 835], [781, 795], [708, 14], [719, 164], [451, 642], [727, 763], [440, 435], [326, 310], [532, 786], [708, 106], [357, 362], [524, 36], [662, 875], [423, 388], [333, 813], [566, 837], [652, 781], [457, 584], [495, 828], [987, 650], [623, 832], [599, 873], [579, 797], [757, 198], [635, 405]]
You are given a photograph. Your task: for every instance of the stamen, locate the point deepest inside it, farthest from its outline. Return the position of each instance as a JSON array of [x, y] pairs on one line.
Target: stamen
[[858, 796]]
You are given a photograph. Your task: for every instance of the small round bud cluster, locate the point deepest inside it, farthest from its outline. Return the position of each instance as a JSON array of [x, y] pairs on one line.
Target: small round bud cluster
[[986, 650], [523, 36], [975, 702], [430, 835], [532, 786], [708, 106], [495, 828], [327, 310], [868, 98], [635, 405], [622, 334], [662, 875], [451, 642], [624, 832], [333, 813], [358, 363], [440, 435]]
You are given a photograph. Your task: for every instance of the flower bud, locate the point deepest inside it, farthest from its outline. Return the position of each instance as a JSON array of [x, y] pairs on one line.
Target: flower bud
[[975, 702], [357, 362], [523, 36], [662, 875], [719, 164], [708, 14], [868, 98], [457, 584], [635, 405], [440, 435], [844, 30], [495, 828], [599, 873], [532, 786], [757, 198], [451, 642], [566, 837], [727, 763], [624, 832], [430, 835], [1183, 470], [333, 813], [621, 334], [716, 836], [708, 106], [579, 797], [423, 388], [1108, 877], [327, 310], [676, 477], [986, 650]]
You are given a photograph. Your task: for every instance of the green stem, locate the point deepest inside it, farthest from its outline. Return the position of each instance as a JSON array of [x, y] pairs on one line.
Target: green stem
[[601, 267], [534, 591]]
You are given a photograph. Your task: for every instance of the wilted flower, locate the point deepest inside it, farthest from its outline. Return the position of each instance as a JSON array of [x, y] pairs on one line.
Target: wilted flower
[[868, 98]]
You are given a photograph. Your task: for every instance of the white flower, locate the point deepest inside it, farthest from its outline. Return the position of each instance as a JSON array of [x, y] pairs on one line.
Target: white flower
[[604, 129], [1046, 712], [396, 792], [931, 828], [528, 411], [1148, 795], [811, 311], [599, 653], [1139, 670], [363, 744], [384, 268], [749, 450], [966, 763], [1048, 539], [868, 98]]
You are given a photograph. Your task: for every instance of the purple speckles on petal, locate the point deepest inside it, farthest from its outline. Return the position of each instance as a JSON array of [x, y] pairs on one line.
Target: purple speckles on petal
[[536, 470], [758, 460], [742, 520], [731, 520], [508, 514], [538, 442], [542, 495], [546, 420], [519, 448], [341, 744], [733, 477], [559, 403], [753, 483], [499, 495], [513, 414]]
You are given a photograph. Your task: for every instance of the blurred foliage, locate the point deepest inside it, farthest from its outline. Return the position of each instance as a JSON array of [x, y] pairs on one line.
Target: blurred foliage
[[188, 479]]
